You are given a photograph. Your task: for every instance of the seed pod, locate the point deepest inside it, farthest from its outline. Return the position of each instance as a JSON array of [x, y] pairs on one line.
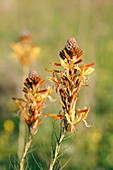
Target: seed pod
[[71, 44]]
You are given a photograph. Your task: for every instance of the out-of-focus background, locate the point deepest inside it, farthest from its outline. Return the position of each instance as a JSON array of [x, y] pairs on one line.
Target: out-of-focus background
[[51, 23]]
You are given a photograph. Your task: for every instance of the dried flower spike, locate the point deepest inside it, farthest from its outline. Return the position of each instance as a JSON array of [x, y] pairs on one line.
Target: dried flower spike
[[33, 100], [68, 83], [24, 50]]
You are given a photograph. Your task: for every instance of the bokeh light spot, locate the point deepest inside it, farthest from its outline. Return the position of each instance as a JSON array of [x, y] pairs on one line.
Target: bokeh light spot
[[9, 125]]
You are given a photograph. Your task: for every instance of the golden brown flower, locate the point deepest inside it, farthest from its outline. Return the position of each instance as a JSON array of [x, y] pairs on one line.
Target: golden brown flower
[[68, 83], [24, 50], [33, 100]]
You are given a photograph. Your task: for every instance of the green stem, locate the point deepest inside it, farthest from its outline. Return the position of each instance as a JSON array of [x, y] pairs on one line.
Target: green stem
[[21, 136], [57, 149], [25, 151]]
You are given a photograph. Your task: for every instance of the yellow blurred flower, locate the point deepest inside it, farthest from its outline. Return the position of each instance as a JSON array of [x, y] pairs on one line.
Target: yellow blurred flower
[[9, 125], [24, 50]]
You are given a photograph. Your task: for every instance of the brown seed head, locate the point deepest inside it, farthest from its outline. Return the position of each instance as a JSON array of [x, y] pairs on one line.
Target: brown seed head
[[33, 81], [72, 48], [71, 44], [34, 76]]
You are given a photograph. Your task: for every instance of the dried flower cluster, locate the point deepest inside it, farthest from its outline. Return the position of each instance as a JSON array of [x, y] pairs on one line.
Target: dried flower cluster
[[33, 100], [24, 50], [68, 82]]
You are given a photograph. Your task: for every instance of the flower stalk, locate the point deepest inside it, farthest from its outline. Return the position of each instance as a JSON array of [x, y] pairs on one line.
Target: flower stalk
[[68, 82], [25, 51], [30, 106]]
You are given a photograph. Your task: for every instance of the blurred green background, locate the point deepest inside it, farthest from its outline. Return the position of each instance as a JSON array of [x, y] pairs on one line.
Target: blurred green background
[[51, 23]]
